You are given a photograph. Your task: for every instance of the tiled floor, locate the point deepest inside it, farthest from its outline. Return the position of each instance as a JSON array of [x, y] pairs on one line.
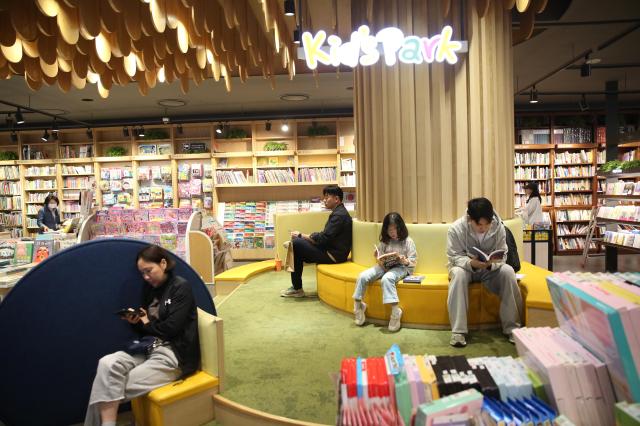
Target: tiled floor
[[626, 263]]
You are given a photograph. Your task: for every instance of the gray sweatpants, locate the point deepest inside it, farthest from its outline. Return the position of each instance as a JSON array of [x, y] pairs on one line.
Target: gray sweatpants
[[122, 377], [501, 281]]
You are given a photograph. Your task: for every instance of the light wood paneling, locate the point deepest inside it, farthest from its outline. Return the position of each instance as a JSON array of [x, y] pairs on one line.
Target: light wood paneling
[[430, 137]]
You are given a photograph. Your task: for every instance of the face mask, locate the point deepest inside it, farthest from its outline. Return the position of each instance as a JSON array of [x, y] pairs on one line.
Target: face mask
[[53, 206]]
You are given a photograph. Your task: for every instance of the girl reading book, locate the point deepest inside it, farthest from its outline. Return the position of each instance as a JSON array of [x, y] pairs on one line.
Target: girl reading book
[[396, 258]]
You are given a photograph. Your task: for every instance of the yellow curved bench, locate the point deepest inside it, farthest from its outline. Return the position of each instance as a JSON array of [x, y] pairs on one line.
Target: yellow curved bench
[[423, 304]]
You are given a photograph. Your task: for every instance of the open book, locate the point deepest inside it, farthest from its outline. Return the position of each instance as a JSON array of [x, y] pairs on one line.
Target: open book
[[389, 260], [484, 257]]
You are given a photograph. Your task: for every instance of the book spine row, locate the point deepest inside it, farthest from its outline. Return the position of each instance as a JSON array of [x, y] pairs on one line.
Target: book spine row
[[524, 158], [532, 173], [317, 174], [9, 172], [574, 157], [568, 215]]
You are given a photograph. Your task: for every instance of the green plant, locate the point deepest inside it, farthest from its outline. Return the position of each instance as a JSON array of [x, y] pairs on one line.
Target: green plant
[[156, 134], [236, 133], [611, 165], [630, 164], [116, 151], [316, 130], [8, 155], [275, 146]]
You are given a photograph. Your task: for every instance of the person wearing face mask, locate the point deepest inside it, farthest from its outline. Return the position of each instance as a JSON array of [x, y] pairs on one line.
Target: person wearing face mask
[[332, 245], [169, 315], [482, 228], [49, 216]]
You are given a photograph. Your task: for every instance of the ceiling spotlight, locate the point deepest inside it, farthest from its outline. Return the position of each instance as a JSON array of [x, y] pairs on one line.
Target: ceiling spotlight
[[267, 126], [296, 36], [533, 96], [90, 133], [180, 129], [289, 7], [584, 106], [19, 117], [585, 70], [45, 136], [54, 129], [55, 136], [220, 129], [14, 136], [284, 127], [141, 132]]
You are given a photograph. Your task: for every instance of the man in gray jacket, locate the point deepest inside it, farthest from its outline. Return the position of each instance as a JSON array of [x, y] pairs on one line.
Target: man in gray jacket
[[482, 228]]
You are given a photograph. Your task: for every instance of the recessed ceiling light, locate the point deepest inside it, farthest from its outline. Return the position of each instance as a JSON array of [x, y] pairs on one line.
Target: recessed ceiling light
[[172, 103], [87, 100], [294, 97]]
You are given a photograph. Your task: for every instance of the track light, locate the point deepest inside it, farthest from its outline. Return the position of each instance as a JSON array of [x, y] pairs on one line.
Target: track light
[[533, 96], [267, 126], [296, 36], [584, 106], [90, 133], [585, 70], [54, 128], [141, 132], [289, 7], [125, 131], [55, 136], [220, 129], [19, 117], [284, 127], [14, 136], [45, 136], [180, 129]]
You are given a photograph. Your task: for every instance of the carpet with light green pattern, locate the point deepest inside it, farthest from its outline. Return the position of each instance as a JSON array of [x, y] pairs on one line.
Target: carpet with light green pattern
[[280, 353]]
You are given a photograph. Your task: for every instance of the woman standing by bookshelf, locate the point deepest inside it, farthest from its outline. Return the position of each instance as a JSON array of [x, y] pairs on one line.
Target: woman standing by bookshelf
[[49, 216], [532, 212]]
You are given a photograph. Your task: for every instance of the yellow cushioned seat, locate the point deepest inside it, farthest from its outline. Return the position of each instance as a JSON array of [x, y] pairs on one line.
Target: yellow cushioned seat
[[244, 272], [192, 385], [188, 402]]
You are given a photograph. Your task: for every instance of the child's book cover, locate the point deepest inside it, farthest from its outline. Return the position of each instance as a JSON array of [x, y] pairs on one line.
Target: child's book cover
[[184, 172], [156, 215], [184, 214], [171, 214], [195, 187], [141, 215], [196, 170], [23, 252], [42, 250], [184, 189], [7, 252]]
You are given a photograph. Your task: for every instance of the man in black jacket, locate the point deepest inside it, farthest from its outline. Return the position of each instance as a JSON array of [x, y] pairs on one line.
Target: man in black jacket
[[332, 245]]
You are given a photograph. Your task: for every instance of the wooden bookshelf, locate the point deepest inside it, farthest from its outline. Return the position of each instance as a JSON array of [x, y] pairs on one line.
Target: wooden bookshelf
[[193, 143]]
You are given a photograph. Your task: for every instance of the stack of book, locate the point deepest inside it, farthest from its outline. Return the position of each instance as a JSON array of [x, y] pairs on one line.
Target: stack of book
[[402, 389], [602, 313]]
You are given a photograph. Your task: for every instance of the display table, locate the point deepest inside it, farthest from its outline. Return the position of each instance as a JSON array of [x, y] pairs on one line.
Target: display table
[[10, 275], [538, 247]]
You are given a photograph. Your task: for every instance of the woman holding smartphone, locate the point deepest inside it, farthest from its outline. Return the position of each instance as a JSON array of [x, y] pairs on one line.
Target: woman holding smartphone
[[169, 315]]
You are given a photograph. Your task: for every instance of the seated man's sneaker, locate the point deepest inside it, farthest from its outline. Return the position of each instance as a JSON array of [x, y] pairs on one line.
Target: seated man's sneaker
[[458, 340], [394, 321], [292, 292], [359, 310]]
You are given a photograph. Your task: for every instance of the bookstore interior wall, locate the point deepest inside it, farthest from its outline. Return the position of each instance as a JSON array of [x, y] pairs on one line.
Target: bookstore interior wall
[[243, 172], [562, 153]]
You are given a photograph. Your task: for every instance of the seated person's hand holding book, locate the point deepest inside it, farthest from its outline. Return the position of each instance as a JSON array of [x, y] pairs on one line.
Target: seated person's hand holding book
[[494, 256], [391, 260]]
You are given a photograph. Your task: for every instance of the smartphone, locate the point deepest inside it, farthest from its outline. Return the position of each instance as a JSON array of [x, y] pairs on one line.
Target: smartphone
[[127, 311]]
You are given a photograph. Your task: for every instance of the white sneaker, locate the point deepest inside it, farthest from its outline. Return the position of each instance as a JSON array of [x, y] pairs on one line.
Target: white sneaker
[[358, 310], [394, 322], [292, 292], [458, 340]]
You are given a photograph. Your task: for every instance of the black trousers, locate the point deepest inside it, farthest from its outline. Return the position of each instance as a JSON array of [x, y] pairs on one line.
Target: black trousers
[[304, 251]]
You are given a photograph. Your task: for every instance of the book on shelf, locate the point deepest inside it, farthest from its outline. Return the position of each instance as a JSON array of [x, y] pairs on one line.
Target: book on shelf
[[533, 136], [574, 171], [629, 238], [147, 149], [623, 188], [540, 172], [620, 212], [572, 135], [568, 157], [164, 149], [535, 158], [573, 200]]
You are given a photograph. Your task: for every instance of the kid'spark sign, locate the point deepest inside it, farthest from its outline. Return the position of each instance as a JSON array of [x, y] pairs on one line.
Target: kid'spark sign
[[365, 49]]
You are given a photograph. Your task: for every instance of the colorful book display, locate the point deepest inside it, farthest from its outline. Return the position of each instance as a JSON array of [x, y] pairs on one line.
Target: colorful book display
[[402, 389], [166, 227], [602, 312], [116, 185]]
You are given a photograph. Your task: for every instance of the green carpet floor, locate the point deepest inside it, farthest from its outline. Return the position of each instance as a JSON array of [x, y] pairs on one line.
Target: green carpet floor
[[280, 353]]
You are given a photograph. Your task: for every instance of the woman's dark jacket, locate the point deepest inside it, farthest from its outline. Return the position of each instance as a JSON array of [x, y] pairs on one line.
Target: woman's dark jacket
[[178, 320]]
